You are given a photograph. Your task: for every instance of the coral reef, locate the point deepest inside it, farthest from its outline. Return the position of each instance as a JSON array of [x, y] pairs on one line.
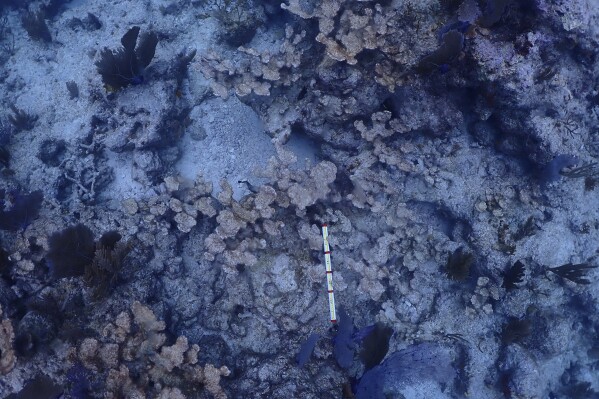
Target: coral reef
[[450, 146], [167, 370], [257, 71], [8, 358], [125, 66]]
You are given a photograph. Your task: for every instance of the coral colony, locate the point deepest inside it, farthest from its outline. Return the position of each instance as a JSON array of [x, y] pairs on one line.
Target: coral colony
[[308, 199]]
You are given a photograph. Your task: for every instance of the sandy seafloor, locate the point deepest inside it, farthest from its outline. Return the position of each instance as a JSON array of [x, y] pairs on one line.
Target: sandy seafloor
[[447, 144]]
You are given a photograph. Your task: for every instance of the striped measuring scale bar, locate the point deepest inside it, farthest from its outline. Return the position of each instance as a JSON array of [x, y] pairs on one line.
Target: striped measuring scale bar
[[329, 272]]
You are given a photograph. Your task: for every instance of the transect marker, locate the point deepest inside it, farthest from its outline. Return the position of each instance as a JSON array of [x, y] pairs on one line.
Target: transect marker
[[327, 262]]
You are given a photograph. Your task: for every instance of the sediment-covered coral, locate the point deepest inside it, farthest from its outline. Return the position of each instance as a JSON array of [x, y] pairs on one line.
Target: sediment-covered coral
[[8, 358], [137, 340], [264, 212], [426, 122], [257, 71], [348, 29]]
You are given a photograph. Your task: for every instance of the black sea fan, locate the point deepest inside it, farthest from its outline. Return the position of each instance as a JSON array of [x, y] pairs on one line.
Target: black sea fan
[[513, 276], [35, 25], [122, 67], [515, 330], [70, 251], [102, 273], [21, 120], [110, 239], [573, 272], [18, 210], [458, 264], [375, 345]]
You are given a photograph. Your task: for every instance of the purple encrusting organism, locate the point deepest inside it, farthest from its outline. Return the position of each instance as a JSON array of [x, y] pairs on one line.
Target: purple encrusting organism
[[306, 349], [78, 378], [460, 26], [343, 348], [418, 362], [18, 210]]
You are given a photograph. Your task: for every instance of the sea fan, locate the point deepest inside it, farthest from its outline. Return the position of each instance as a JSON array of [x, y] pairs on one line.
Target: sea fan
[[18, 210], [122, 67], [573, 272], [513, 276], [458, 264], [70, 251]]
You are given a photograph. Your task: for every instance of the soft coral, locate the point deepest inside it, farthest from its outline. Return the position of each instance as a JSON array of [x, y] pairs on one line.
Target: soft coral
[[18, 210]]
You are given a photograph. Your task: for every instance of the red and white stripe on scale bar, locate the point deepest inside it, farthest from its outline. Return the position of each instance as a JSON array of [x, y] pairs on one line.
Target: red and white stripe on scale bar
[[327, 262]]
